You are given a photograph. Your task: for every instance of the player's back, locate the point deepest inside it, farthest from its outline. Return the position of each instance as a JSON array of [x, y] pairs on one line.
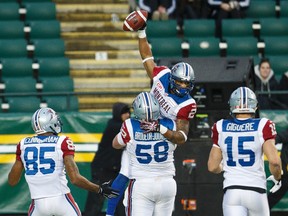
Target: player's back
[[42, 157], [241, 143], [151, 154]]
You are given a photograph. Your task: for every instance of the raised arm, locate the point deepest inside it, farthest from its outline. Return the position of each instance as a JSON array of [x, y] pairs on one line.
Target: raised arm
[[146, 53]]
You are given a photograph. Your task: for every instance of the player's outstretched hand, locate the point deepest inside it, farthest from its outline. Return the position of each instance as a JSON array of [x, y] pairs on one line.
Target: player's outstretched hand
[[277, 184], [150, 126], [106, 190]]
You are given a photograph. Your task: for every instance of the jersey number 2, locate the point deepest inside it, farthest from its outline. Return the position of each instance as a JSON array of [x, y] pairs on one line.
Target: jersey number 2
[[241, 151], [37, 158]]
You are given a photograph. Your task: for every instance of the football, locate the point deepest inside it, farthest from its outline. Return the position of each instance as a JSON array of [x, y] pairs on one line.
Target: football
[[135, 20]]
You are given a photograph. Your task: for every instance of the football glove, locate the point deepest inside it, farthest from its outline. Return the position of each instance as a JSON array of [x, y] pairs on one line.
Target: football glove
[[277, 184], [106, 190], [150, 126]]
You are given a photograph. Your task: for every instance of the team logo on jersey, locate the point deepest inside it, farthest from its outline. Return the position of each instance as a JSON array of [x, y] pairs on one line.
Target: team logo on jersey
[[159, 86]]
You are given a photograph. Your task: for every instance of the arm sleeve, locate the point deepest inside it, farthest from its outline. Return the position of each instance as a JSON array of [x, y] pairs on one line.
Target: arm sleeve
[[269, 130], [67, 147], [187, 112], [18, 152], [158, 69], [124, 133], [214, 135]]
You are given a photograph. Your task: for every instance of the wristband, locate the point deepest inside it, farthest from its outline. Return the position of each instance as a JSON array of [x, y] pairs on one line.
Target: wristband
[[146, 59], [185, 136], [163, 129], [142, 33]]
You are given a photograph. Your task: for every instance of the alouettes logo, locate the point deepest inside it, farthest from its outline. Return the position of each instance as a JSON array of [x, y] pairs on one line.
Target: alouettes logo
[[159, 86]]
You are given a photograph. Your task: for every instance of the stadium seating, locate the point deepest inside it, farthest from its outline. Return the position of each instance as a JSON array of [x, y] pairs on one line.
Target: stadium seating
[[274, 26], [283, 8], [48, 47], [241, 46], [276, 45], [23, 104], [57, 84], [279, 64], [13, 48], [9, 10], [20, 85], [10, 29], [261, 8], [28, 1], [238, 27], [206, 46], [42, 29], [17, 67], [199, 28], [163, 28], [62, 103], [40, 10], [53, 67], [166, 47]]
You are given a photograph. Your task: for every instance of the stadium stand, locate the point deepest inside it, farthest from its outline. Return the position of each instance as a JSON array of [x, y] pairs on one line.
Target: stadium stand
[[16, 67], [10, 29], [195, 28], [276, 45], [13, 48], [261, 8], [44, 10], [48, 47], [156, 29], [242, 46], [273, 26], [204, 46], [43, 29], [170, 47], [9, 10], [239, 27], [283, 8]]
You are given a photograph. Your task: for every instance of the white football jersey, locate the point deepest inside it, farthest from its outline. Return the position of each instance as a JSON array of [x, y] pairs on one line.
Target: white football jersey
[[150, 154], [241, 143], [171, 106], [42, 157]]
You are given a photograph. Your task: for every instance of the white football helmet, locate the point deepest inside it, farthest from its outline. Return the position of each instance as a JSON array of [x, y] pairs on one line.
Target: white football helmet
[[182, 72], [46, 120], [146, 107], [243, 100]]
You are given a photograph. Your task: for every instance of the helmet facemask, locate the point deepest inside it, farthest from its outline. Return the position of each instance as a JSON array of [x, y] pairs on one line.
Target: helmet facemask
[[182, 72]]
